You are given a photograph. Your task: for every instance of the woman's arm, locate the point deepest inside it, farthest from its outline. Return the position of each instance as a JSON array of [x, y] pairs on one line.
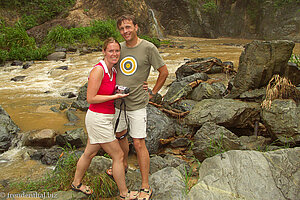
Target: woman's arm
[[94, 84]]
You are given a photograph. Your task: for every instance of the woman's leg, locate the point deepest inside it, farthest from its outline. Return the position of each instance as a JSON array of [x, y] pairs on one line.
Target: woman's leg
[[84, 162], [114, 150]]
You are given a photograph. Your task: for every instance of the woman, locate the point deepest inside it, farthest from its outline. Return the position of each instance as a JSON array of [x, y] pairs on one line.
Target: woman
[[99, 117]]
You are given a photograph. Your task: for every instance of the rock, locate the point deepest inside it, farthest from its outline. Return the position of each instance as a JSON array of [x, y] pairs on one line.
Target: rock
[[282, 120], [212, 139], [254, 142], [43, 138], [62, 67], [208, 91], [8, 129], [259, 62], [54, 109], [72, 117], [249, 175], [99, 164], [184, 105], [16, 63], [76, 137], [57, 56], [18, 78], [63, 106], [159, 126], [199, 65], [181, 88], [225, 112], [26, 65], [180, 142], [168, 184]]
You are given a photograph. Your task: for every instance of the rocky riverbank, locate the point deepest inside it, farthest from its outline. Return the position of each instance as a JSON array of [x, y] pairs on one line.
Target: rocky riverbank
[[245, 150]]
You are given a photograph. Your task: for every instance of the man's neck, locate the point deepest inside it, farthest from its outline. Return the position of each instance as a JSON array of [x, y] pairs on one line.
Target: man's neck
[[133, 42]]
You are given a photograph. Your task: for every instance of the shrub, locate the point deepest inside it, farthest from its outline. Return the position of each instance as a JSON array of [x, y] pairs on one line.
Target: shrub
[[3, 55], [59, 35], [155, 41]]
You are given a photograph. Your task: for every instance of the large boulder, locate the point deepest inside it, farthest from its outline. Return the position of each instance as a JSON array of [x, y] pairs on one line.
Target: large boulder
[[212, 139], [282, 120], [159, 126], [259, 61], [249, 175], [7, 130], [224, 112]]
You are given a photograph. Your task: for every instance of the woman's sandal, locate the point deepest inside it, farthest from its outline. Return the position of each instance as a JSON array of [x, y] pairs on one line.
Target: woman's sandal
[[86, 189], [110, 174], [147, 191], [127, 197]]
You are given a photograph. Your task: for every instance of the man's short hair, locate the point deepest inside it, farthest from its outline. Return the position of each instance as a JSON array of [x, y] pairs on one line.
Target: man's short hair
[[126, 17]]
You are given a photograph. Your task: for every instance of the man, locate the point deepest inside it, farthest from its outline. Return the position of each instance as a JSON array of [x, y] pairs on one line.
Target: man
[[137, 57]]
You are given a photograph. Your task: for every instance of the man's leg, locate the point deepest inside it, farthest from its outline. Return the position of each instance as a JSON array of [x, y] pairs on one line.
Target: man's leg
[[144, 163]]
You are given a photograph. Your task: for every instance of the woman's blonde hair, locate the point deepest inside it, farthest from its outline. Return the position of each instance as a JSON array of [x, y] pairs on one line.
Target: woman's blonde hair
[[110, 40]]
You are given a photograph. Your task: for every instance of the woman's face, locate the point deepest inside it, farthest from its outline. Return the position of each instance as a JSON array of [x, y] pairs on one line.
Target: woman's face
[[112, 53]]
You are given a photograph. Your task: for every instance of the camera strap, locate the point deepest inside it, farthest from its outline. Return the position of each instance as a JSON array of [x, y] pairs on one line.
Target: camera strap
[[118, 119]]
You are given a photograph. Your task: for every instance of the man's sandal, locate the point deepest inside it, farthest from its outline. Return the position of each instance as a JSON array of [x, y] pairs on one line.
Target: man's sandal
[[127, 197], [109, 172], [86, 190], [147, 191]]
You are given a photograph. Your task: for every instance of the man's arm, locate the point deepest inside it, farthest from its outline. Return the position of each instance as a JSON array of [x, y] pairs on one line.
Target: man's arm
[[163, 74]]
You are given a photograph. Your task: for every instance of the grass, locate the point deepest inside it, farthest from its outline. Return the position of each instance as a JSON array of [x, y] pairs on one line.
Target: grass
[[62, 176], [295, 59], [216, 147]]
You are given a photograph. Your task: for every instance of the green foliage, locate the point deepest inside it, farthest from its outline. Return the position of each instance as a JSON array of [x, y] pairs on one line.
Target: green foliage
[[43, 10], [104, 29], [186, 179], [15, 44], [216, 147], [62, 176], [210, 6], [28, 21], [59, 35], [281, 3], [155, 41], [295, 59]]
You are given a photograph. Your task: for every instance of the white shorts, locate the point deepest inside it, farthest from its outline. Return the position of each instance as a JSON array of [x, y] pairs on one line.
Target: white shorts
[[99, 127], [137, 120]]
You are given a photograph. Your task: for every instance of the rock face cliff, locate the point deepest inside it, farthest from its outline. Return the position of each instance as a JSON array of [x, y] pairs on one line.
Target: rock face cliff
[[263, 19]]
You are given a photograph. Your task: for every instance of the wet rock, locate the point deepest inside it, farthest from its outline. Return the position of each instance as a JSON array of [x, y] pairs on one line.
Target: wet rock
[[225, 112], [72, 117], [81, 103], [8, 130], [213, 139], [273, 175], [282, 120], [63, 106], [26, 65], [57, 56], [54, 109], [159, 126], [18, 78], [47, 156], [63, 67], [16, 63], [76, 137], [293, 73], [167, 182], [43, 138], [259, 62]]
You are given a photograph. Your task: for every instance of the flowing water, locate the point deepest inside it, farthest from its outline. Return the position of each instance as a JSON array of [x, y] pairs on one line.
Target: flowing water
[[28, 102]]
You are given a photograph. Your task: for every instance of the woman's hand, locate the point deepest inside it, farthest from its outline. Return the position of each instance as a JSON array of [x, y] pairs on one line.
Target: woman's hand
[[145, 86], [121, 95]]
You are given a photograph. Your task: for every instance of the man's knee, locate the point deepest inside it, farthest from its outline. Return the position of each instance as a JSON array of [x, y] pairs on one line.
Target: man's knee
[[139, 144]]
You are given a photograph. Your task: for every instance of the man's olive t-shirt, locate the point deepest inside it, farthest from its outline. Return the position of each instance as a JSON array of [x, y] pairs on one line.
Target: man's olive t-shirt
[[133, 69]]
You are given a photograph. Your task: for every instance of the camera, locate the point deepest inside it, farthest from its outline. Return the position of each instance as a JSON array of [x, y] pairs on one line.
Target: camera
[[121, 89]]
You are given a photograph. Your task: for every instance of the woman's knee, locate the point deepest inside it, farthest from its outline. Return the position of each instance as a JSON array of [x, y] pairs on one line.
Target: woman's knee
[[139, 144], [89, 156]]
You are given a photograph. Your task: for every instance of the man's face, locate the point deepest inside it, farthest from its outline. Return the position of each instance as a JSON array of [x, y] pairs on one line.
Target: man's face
[[128, 30]]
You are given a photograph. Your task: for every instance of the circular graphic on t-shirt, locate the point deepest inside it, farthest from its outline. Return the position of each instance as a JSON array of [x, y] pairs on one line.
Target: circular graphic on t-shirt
[[128, 65]]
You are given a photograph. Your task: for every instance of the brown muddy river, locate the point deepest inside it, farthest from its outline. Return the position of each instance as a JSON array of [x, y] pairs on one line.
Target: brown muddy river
[[28, 102]]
